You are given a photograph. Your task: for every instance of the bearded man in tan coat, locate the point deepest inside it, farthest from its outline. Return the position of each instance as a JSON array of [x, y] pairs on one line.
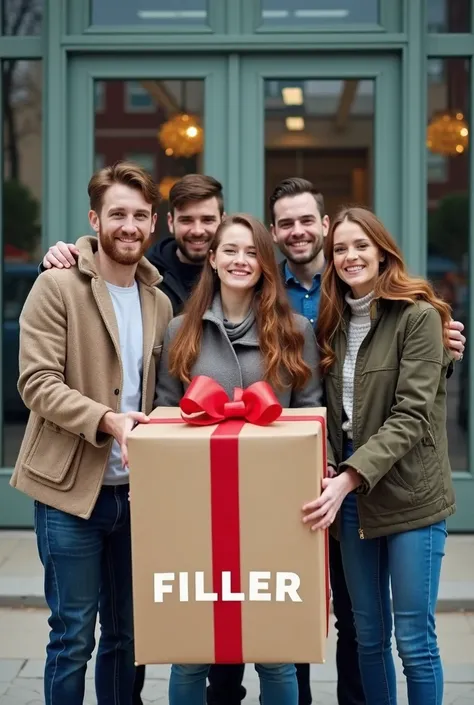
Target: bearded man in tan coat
[[90, 341]]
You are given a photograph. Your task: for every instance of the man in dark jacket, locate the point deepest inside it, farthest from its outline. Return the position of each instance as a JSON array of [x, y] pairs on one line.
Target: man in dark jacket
[[196, 209]]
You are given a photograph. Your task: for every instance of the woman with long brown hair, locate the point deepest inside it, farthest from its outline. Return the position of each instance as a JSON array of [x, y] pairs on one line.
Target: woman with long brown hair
[[238, 328], [384, 361]]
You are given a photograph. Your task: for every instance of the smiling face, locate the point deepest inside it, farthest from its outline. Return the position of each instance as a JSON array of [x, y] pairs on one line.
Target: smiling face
[[193, 226], [356, 258], [299, 230], [235, 259], [124, 225]]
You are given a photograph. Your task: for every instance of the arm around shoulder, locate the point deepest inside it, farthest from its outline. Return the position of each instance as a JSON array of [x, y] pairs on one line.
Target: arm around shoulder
[[42, 358]]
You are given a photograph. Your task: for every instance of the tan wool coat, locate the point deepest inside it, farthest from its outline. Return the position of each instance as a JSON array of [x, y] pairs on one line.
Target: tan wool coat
[[71, 375]]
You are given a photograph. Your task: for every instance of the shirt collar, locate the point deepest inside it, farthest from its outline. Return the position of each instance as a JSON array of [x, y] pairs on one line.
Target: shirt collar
[[289, 276]]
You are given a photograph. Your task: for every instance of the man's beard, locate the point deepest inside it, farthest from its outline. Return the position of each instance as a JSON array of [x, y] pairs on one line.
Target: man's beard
[[111, 249], [194, 257], [314, 251]]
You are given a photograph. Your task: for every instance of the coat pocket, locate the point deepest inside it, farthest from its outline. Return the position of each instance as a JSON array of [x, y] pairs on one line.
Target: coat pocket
[[54, 457]]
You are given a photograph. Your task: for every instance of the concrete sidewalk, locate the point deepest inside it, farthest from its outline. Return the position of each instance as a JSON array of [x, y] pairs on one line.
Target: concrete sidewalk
[[22, 657], [21, 575]]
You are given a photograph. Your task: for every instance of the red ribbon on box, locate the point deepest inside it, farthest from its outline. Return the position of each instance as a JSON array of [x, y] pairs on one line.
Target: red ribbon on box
[[205, 403]]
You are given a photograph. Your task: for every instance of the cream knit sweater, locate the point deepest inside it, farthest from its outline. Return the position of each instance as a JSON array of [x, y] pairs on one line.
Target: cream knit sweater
[[359, 326]]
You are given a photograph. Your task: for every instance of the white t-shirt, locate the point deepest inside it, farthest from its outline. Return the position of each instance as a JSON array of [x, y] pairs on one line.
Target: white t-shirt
[[128, 313]]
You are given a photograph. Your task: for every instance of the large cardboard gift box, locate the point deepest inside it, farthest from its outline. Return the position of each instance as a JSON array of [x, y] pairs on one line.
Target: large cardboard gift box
[[224, 570]]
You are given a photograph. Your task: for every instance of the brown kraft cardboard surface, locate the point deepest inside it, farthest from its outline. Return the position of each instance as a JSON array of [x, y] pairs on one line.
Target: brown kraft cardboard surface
[[224, 570]]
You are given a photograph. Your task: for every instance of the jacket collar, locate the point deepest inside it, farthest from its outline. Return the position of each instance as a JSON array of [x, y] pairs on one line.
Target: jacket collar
[[215, 315], [376, 310], [146, 274]]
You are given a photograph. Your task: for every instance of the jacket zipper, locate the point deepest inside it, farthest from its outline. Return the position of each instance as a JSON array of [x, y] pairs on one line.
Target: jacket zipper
[[360, 530], [354, 426]]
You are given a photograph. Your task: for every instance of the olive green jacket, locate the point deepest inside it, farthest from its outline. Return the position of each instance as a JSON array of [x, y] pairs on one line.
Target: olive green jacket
[[399, 418]]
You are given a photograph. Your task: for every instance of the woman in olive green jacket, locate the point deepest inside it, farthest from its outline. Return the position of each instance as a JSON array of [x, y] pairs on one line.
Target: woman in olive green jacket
[[384, 363]]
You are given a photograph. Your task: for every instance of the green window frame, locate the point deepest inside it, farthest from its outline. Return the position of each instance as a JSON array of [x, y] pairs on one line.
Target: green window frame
[[390, 20], [80, 22]]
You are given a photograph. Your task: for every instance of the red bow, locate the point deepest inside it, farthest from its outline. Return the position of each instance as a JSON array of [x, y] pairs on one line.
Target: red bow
[[206, 402]]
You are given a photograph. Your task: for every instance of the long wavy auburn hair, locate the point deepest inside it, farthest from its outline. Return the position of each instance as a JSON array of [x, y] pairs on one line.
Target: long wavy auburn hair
[[281, 343], [394, 283]]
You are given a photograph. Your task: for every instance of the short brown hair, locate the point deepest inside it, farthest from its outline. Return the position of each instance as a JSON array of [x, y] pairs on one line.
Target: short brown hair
[[294, 187], [193, 188], [127, 174]]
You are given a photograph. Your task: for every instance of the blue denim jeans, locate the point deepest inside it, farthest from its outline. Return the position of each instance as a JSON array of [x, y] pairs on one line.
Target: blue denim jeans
[[87, 566], [411, 562], [278, 684]]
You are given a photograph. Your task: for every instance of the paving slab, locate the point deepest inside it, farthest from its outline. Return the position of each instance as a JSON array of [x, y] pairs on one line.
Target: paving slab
[[10, 668]]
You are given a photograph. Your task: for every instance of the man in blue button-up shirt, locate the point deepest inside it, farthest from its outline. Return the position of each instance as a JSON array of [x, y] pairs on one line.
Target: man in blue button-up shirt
[[299, 226]]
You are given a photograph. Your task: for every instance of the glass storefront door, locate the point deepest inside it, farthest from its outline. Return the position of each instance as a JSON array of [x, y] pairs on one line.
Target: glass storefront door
[[167, 114], [332, 119]]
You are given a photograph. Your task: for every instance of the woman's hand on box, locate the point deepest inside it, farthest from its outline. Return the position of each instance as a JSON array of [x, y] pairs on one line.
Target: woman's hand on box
[[323, 510]]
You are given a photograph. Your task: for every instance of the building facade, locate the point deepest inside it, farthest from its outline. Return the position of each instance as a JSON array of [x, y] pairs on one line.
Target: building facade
[[370, 99]]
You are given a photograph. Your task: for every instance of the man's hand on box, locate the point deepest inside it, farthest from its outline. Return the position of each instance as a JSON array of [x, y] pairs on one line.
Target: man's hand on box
[[323, 511], [119, 426], [61, 255]]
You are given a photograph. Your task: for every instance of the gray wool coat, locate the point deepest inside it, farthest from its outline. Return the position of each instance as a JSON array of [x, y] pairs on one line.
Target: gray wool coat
[[236, 364]]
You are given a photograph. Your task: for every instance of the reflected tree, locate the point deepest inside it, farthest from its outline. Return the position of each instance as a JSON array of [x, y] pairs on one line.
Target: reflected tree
[[20, 89]]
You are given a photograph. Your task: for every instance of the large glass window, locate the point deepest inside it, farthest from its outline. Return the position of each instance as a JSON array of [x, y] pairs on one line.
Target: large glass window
[[158, 124], [149, 13], [448, 15], [448, 137], [21, 17], [323, 131], [21, 241], [281, 13]]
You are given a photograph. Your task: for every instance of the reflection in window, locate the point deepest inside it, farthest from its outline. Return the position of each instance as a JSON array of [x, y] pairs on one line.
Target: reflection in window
[[22, 17], [149, 12], [277, 13], [21, 86], [166, 137], [323, 131], [448, 15], [138, 99], [448, 138]]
